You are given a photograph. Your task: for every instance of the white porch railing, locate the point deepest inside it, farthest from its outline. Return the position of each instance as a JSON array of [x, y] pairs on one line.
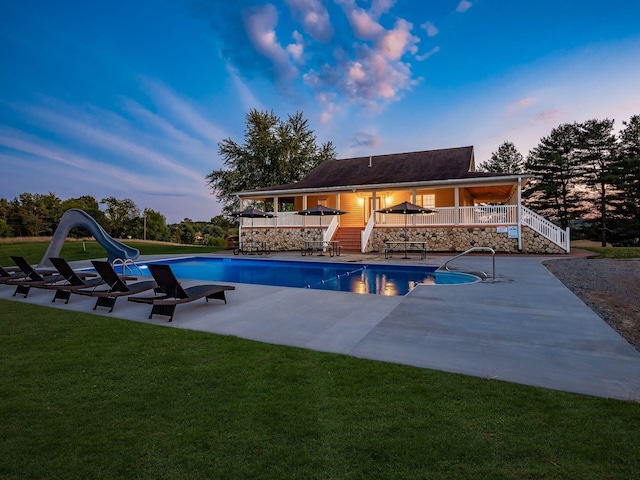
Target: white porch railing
[[444, 216], [285, 219], [546, 228], [494, 214], [497, 214]]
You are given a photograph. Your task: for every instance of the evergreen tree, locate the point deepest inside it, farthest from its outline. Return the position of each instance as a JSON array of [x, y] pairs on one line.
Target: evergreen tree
[[596, 153], [274, 152], [506, 160], [627, 177], [555, 166]]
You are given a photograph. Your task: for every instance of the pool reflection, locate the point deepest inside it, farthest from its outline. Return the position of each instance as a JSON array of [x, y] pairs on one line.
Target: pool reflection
[[389, 280]]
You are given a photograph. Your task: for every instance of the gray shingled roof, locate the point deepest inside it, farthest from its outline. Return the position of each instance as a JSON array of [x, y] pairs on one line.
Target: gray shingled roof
[[430, 165]]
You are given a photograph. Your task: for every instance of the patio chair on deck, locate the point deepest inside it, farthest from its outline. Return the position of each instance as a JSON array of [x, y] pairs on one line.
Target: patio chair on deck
[[174, 294], [73, 280], [117, 284], [31, 277], [10, 273]]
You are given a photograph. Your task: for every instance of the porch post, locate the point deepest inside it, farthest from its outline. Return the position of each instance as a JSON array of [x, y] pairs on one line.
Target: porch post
[[240, 218], [413, 200], [275, 211], [456, 204], [374, 206], [304, 207], [519, 214]]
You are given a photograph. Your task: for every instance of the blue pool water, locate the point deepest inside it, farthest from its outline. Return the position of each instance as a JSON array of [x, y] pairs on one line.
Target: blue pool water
[[344, 277]]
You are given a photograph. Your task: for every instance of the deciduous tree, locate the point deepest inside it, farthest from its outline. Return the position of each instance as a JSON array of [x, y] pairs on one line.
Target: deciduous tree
[[274, 152], [121, 215], [156, 226]]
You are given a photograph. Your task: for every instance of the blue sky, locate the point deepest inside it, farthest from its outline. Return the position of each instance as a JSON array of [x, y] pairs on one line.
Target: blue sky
[[130, 98]]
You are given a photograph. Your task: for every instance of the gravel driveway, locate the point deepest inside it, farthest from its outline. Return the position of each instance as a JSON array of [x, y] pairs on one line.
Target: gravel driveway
[[611, 288]]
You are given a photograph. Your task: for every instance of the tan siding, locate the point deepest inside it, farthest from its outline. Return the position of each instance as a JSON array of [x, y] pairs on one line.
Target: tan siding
[[445, 197], [351, 204], [466, 200], [312, 200]]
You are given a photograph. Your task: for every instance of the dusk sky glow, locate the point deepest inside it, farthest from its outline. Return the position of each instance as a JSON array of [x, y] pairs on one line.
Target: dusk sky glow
[[130, 99]]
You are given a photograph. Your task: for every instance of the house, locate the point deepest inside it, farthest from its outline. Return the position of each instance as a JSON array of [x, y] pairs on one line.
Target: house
[[470, 208]]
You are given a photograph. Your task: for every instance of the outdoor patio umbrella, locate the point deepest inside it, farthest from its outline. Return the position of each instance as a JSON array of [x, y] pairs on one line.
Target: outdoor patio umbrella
[[406, 209], [321, 211], [252, 213]]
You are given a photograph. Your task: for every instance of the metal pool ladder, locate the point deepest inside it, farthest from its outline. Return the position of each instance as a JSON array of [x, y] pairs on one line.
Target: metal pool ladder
[[474, 249], [127, 265]]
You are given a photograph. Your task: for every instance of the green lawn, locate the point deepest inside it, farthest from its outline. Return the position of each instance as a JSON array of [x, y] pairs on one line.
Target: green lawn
[[615, 252], [84, 396], [72, 250]]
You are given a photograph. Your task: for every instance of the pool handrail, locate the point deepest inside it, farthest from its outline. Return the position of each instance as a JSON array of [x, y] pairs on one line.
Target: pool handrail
[[473, 249]]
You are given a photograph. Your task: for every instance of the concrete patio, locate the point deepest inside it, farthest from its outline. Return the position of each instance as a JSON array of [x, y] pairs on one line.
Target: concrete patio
[[526, 327]]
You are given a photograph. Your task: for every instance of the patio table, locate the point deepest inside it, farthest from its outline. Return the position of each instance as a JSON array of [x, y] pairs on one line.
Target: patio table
[[332, 246], [406, 247]]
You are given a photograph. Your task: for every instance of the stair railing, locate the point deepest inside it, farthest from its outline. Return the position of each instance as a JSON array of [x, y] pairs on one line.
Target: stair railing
[[366, 233], [331, 229]]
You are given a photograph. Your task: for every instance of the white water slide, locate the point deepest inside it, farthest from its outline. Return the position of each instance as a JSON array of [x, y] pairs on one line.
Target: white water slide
[[78, 218]]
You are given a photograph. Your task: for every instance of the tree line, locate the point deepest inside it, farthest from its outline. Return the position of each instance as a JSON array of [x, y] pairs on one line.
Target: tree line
[[585, 176], [35, 214]]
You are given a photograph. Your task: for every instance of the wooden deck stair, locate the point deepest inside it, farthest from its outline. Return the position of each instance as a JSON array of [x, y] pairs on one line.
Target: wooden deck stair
[[349, 238]]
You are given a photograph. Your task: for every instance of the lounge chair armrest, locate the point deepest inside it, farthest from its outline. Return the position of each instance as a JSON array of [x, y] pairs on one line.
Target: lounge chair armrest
[[147, 300]]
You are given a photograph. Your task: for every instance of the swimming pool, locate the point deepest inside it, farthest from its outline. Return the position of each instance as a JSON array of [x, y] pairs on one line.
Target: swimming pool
[[344, 277]]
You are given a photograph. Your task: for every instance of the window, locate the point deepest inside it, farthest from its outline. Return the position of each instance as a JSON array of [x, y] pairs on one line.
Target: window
[[426, 201], [323, 202]]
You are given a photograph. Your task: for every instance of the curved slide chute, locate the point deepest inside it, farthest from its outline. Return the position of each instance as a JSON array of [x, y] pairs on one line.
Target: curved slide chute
[[79, 218]]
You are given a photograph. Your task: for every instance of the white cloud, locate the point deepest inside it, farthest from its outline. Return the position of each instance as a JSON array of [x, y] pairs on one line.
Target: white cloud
[[519, 106], [364, 26], [138, 155], [182, 111], [260, 23], [329, 107], [247, 97], [395, 43], [365, 139], [463, 6], [314, 18], [431, 52], [430, 28], [296, 50], [82, 167], [373, 72]]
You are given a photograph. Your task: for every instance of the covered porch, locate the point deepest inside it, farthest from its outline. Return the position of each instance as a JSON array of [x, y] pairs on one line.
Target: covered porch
[[493, 205]]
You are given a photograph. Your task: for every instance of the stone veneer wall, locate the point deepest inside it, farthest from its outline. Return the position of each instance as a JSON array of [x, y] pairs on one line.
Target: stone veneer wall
[[283, 238], [453, 239], [459, 239]]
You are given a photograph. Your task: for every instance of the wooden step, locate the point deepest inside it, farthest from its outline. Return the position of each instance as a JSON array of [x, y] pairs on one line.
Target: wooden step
[[349, 238]]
